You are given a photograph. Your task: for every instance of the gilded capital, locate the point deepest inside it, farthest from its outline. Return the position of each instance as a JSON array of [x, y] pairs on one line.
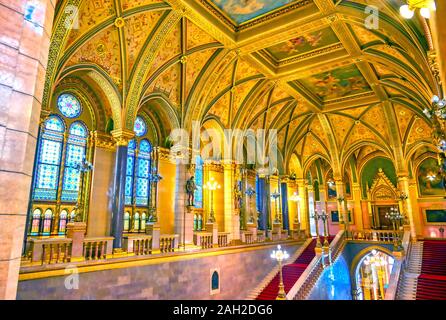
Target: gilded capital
[[122, 136]]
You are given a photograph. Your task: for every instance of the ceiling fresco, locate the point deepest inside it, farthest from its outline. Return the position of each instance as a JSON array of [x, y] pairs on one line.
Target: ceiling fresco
[[303, 44], [337, 89], [241, 11], [338, 83]]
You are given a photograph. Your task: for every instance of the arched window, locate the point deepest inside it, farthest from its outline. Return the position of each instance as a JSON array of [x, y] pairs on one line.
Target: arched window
[[143, 221], [63, 221], [35, 224], [198, 196], [143, 173], [126, 221], [138, 173], [49, 160], [47, 218], [136, 222], [75, 154], [62, 145]]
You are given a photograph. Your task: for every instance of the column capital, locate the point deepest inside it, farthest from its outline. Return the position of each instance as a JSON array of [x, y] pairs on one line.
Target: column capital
[[103, 140], [122, 136]]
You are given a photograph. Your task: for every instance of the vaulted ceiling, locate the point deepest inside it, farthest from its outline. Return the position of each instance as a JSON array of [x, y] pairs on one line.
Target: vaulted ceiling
[[309, 68]]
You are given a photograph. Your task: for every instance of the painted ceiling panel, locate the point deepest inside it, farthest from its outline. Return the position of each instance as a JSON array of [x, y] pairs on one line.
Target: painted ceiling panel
[[136, 30], [303, 44], [240, 11], [196, 36], [170, 49], [130, 4], [338, 83]]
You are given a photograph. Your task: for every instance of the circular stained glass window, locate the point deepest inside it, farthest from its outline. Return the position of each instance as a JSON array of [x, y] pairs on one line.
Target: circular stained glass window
[[140, 127], [69, 106]]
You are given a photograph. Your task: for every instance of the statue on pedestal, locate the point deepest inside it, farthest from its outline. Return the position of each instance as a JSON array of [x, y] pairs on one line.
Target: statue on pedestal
[[238, 199], [191, 186]]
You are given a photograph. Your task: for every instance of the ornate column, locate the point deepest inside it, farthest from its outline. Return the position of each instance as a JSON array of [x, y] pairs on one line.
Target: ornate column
[[184, 217], [284, 202], [342, 204], [356, 189], [403, 182], [231, 200], [122, 138], [303, 206]]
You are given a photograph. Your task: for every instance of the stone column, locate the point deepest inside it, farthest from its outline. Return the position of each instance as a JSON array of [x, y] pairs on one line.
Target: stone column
[[122, 138], [356, 189], [403, 182], [24, 42], [232, 214], [284, 202], [303, 206], [184, 218], [343, 213]]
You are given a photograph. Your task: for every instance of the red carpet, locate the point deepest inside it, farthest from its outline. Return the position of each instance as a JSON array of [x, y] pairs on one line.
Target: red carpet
[[432, 280], [291, 273]]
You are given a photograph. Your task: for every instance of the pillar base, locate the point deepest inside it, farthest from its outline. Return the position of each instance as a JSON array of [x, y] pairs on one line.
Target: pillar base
[[252, 228], [212, 227], [76, 232], [153, 229]]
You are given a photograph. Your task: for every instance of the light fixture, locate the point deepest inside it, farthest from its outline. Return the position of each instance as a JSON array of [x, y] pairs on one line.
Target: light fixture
[[407, 11], [431, 177], [280, 255]]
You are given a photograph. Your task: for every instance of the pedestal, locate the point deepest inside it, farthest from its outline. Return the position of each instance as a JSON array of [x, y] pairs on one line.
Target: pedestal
[[296, 231], [235, 234], [153, 229], [76, 232], [276, 232], [252, 227], [213, 228]]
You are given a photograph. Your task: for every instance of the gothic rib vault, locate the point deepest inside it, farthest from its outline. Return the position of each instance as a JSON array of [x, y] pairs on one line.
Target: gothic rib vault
[[310, 69]]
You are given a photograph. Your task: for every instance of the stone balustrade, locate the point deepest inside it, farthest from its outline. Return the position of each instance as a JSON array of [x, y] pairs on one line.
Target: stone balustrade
[[247, 237], [203, 239], [49, 250], [373, 235], [98, 248], [168, 243], [139, 245], [223, 239]]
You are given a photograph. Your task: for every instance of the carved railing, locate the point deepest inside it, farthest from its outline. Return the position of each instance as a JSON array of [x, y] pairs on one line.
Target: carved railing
[[49, 251], [247, 237], [310, 276], [399, 268], [374, 235], [261, 237], [223, 239], [97, 248], [168, 243], [203, 239], [140, 245], [270, 276]]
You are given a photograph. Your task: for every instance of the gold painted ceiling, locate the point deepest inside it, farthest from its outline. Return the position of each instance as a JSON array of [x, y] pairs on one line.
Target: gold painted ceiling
[[308, 68]]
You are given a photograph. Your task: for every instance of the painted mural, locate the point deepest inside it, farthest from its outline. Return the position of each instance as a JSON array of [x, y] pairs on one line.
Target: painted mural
[[430, 182], [303, 44], [338, 83], [241, 11]]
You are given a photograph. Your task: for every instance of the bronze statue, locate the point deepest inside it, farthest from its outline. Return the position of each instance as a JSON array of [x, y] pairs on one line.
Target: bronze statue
[[238, 199], [191, 186]]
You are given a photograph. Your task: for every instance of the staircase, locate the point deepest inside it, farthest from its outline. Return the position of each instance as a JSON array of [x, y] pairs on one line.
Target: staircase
[[255, 293], [432, 280], [291, 273], [407, 288]]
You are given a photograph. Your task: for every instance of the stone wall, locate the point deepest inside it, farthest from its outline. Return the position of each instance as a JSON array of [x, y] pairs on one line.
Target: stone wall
[[186, 279]]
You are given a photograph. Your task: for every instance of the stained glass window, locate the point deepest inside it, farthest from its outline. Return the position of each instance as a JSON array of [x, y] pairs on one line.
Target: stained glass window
[[199, 182], [140, 127], [129, 172], [143, 173], [69, 105], [49, 157], [75, 154]]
